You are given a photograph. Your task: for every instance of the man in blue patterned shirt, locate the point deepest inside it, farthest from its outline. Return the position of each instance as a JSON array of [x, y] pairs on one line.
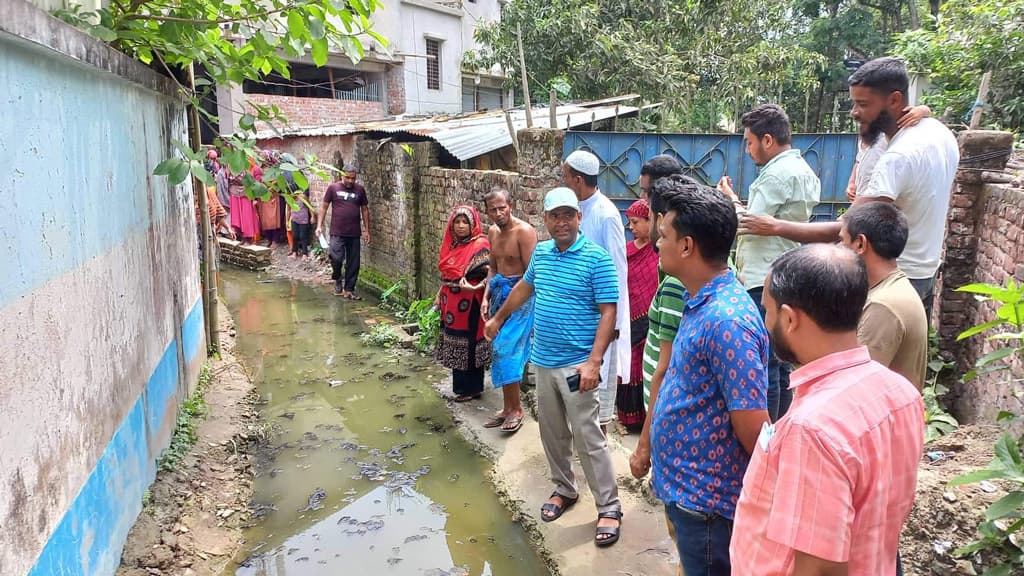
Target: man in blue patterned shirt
[[712, 403]]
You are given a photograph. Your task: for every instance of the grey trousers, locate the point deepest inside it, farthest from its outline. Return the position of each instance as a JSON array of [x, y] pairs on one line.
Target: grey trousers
[[569, 419], [610, 387]]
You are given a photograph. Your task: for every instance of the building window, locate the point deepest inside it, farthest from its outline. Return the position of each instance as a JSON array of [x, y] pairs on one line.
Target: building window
[[433, 64]]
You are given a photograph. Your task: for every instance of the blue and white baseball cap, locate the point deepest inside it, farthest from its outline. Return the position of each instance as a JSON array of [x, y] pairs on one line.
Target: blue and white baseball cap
[[561, 196]]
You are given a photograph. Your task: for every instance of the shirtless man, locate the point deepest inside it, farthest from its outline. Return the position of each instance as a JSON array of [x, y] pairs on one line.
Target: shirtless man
[[512, 242]]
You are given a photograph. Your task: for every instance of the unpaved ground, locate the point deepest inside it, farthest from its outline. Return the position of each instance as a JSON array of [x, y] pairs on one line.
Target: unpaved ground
[[315, 269], [945, 518], [192, 522]]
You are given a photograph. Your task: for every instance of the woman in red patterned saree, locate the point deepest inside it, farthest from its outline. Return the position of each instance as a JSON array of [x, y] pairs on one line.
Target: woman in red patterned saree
[[464, 262]]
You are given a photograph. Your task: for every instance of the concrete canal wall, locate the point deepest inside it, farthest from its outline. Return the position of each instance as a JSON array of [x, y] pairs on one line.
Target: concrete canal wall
[[101, 329]]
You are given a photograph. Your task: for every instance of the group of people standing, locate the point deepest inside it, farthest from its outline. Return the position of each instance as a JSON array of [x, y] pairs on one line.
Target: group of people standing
[[763, 468]]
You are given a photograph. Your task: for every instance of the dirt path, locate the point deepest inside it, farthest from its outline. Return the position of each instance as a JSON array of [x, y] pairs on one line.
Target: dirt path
[[191, 524]]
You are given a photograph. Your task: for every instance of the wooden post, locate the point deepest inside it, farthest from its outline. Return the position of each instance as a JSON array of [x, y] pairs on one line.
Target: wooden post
[[526, 84], [207, 274], [615, 119], [552, 106], [330, 78], [512, 132], [979, 105]]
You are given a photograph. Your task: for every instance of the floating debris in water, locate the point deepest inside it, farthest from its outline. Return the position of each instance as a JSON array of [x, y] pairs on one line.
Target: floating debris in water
[[393, 561], [310, 436], [330, 360], [403, 430], [336, 383], [349, 446], [288, 415], [261, 511], [415, 538], [354, 526], [275, 472], [355, 398], [391, 376], [399, 416], [453, 477], [334, 427], [301, 395], [385, 430], [315, 500], [374, 452]]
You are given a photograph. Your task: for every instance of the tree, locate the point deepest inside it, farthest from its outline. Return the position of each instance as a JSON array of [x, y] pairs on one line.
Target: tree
[[231, 41], [968, 39]]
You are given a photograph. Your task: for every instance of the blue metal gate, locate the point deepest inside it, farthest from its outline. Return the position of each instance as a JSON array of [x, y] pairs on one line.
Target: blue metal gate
[[707, 157]]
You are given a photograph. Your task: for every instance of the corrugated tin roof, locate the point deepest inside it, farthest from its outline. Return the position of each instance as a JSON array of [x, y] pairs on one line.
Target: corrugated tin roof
[[470, 135]]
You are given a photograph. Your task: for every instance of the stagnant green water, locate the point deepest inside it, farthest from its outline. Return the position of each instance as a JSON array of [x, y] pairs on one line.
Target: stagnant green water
[[403, 492]]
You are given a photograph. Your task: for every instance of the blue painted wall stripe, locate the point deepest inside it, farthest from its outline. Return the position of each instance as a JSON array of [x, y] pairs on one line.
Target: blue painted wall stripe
[[92, 532], [192, 332]]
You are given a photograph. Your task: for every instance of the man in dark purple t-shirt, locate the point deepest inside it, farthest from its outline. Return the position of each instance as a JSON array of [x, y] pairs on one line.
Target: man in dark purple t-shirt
[[349, 210]]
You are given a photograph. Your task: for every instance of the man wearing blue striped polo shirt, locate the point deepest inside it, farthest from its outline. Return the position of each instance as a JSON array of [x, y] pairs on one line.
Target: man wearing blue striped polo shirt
[[576, 290]]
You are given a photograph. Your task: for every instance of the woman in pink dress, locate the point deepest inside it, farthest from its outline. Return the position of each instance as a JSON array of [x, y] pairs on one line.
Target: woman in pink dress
[[244, 219]]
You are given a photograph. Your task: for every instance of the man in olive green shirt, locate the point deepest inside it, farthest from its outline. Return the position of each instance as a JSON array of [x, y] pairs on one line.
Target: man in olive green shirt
[[893, 325], [786, 188]]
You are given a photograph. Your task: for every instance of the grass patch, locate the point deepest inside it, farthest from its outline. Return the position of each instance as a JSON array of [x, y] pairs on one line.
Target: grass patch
[[381, 335], [192, 410]]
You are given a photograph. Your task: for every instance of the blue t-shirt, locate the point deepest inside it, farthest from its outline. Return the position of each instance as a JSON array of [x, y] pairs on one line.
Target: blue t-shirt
[[568, 287], [719, 363]]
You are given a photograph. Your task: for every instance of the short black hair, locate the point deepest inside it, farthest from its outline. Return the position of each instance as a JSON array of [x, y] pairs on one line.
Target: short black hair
[[827, 282], [660, 166], [654, 195], [497, 191], [884, 75], [702, 213], [769, 119], [883, 225], [588, 179]]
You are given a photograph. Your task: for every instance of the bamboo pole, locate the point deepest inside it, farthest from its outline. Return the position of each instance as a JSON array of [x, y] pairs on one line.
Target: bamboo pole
[[979, 104], [512, 132], [522, 71], [208, 277]]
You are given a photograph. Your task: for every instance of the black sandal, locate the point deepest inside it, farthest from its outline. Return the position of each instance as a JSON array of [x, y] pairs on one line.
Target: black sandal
[[555, 509], [613, 533]]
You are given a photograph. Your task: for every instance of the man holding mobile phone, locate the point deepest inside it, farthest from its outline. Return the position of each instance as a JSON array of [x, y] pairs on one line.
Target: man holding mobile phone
[[576, 289]]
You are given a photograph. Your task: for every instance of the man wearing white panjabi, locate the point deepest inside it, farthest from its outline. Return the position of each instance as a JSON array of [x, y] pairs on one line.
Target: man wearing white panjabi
[[603, 225]]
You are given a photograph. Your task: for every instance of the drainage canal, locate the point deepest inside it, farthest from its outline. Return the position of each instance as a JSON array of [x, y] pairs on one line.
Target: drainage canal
[[364, 473]]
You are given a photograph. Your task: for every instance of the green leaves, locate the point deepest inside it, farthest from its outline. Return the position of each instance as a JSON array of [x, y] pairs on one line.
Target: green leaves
[[175, 169]]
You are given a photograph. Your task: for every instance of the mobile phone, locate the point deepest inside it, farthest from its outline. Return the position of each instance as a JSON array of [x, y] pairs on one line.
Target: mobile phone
[[573, 382]]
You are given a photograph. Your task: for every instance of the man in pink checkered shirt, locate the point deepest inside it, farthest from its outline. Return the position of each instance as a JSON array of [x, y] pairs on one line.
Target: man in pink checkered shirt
[[829, 488]]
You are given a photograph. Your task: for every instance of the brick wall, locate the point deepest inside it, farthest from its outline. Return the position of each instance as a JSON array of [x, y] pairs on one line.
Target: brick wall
[[411, 198], [333, 150], [984, 243], [320, 111], [442, 189]]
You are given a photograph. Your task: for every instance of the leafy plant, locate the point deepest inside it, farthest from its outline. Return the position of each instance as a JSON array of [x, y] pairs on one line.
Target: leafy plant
[[389, 298], [1003, 528], [1009, 314], [191, 411], [938, 422], [381, 335], [428, 319], [229, 42]]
